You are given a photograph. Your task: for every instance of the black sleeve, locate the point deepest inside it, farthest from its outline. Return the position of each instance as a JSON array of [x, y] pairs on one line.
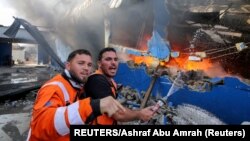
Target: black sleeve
[[95, 104], [97, 87]]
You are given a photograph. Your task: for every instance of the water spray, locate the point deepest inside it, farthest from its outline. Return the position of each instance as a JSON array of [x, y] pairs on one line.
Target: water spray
[[177, 84]]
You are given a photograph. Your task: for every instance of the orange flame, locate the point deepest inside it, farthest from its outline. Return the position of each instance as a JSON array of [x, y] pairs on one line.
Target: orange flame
[[143, 42], [183, 63], [203, 65], [142, 59]]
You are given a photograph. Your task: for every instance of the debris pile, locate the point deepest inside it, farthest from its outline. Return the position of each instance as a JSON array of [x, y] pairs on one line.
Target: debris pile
[[167, 114]]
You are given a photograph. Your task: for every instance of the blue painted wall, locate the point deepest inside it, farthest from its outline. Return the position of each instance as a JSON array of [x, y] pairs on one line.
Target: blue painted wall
[[229, 102]]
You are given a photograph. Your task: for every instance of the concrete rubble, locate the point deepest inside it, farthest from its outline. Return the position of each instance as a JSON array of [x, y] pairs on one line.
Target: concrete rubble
[[18, 90]]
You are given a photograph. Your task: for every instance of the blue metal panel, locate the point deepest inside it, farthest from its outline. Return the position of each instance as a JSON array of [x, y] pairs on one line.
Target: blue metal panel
[[5, 54], [157, 47]]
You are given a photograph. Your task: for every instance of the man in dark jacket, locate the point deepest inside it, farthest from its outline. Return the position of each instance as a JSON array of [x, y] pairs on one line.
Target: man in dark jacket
[[101, 84]]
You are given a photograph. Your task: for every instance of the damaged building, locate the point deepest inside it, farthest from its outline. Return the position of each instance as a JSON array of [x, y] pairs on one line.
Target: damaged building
[[194, 55]]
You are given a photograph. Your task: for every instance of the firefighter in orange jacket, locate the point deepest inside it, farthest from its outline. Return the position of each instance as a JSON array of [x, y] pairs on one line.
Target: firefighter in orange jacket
[[57, 105], [101, 84]]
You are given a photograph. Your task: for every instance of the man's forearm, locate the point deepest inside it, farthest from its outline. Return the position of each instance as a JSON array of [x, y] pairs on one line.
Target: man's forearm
[[128, 115]]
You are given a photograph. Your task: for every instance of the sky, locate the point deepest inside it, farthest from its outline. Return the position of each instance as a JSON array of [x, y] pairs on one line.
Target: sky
[[6, 13]]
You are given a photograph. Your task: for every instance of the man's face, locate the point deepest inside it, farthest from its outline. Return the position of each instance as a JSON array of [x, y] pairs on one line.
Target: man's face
[[80, 66], [109, 63]]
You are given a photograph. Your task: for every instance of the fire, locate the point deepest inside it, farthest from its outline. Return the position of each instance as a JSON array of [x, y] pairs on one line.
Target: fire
[[179, 62], [143, 42], [203, 65], [147, 60], [183, 63]]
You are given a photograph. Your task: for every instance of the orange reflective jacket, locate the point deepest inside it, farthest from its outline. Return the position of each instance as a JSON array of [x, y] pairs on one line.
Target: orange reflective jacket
[[104, 119], [55, 110]]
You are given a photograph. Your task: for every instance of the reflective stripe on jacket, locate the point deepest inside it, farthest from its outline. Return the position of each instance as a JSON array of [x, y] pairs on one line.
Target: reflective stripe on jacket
[[51, 117]]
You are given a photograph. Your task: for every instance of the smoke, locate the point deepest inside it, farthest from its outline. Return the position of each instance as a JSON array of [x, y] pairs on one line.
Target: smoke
[[80, 23], [225, 61], [39, 12], [123, 57], [76, 22], [216, 70], [130, 22]]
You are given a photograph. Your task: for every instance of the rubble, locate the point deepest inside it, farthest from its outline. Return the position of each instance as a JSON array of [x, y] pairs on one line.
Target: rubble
[[168, 114], [18, 88]]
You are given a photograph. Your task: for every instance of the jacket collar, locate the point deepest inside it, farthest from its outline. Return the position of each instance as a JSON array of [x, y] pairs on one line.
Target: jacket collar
[[71, 80]]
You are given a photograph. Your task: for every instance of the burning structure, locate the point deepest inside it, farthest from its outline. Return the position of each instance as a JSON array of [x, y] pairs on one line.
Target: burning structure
[[163, 37], [192, 30]]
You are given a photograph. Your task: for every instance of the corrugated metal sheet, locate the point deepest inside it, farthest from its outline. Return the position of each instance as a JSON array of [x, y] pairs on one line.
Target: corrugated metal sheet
[[22, 36]]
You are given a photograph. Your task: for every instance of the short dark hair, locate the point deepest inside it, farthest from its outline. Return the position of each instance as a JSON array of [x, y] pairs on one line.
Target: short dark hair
[[79, 51], [105, 50]]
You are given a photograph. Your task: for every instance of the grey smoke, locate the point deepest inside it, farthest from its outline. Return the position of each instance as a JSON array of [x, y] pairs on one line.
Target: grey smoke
[[76, 25], [80, 23]]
